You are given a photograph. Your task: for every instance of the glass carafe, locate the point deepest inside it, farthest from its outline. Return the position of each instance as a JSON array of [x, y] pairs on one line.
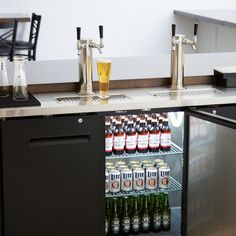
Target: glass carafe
[[20, 91], [4, 85]]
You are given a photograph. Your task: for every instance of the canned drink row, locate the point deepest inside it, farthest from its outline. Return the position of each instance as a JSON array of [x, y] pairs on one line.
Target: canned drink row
[[125, 179]]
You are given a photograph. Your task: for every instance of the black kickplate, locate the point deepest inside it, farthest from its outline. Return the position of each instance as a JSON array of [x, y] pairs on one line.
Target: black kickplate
[[7, 102]]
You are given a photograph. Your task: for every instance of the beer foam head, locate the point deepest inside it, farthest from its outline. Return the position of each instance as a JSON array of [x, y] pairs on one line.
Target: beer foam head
[[104, 60]]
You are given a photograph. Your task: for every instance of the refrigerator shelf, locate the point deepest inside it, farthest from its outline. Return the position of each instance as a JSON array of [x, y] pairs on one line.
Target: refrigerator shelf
[[174, 186], [175, 149]]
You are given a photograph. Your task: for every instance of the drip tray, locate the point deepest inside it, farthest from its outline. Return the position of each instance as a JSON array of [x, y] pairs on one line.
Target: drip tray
[[114, 98], [205, 92]]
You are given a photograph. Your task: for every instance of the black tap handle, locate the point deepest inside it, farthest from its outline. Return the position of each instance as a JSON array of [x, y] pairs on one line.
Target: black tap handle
[[173, 29], [101, 31], [78, 29], [195, 29]]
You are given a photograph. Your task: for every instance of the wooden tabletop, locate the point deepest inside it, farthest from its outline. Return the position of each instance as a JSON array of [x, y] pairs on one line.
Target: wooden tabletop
[[11, 16]]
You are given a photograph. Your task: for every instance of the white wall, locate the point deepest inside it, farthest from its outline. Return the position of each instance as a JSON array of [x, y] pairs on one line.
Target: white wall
[[131, 27]]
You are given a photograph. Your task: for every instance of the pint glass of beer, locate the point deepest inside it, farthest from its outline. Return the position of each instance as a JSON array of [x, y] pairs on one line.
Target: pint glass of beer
[[104, 71]]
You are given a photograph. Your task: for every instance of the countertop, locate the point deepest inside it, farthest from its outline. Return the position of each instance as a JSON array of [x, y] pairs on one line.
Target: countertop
[[218, 16], [139, 99]]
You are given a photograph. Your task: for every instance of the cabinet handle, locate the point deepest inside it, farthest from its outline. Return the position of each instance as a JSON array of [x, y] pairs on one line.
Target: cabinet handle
[[62, 140]]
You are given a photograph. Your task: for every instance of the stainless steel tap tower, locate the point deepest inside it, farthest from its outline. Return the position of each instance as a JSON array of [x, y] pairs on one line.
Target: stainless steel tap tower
[[177, 57], [85, 51]]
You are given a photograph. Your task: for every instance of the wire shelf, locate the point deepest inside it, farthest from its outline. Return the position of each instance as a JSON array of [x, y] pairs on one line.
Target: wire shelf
[[175, 149], [174, 186]]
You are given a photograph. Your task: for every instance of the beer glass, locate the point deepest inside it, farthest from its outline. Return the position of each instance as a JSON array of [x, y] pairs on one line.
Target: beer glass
[[104, 71], [4, 86]]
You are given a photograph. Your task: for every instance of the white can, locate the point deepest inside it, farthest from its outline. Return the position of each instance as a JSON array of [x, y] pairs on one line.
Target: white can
[[151, 178], [120, 163], [164, 176], [114, 181], [138, 179], [106, 181], [126, 180]]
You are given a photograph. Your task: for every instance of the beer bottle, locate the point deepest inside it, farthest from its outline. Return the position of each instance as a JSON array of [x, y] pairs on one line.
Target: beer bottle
[[108, 137], [119, 138], [154, 136], [131, 137], [115, 220], [149, 121], [165, 143], [146, 219], [166, 214], [107, 217], [156, 215], [143, 134], [135, 219], [160, 121], [151, 201], [137, 123], [126, 221]]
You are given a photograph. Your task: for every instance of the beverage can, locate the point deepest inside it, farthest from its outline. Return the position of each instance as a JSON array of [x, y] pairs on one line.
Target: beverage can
[[151, 178], [109, 168], [138, 179], [120, 163], [114, 181], [109, 164], [126, 180], [144, 162], [164, 176], [135, 166], [121, 167], [133, 163]]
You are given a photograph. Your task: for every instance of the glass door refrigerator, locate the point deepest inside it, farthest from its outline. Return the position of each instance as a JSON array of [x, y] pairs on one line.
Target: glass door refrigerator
[[143, 173]]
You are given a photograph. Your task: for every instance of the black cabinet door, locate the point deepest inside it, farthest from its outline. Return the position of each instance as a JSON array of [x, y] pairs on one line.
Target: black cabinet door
[[53, 176]]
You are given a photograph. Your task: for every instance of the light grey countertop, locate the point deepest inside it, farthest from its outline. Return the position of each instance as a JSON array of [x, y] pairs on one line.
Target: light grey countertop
[[139, 99], [218, 16]]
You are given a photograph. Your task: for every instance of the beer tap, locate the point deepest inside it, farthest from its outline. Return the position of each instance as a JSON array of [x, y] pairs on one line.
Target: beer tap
[[178, 42], [85, 52]]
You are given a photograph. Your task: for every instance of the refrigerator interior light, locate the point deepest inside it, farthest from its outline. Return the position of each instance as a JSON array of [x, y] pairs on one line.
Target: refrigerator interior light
[[176, 118]]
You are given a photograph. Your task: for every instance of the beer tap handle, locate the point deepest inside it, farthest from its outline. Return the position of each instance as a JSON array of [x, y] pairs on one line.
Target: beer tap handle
[[78, 30], [195, 29], [173, 29], [101, 31]]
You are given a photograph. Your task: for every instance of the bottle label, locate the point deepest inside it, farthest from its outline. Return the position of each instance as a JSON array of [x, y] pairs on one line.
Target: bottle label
[[108, 144], [119, 142], [131, 142], [165, 140], [156, 221], [135, 223], [126, 224], [142, 141], [115, 226], [145, 222], [154, 140], [166, 221]]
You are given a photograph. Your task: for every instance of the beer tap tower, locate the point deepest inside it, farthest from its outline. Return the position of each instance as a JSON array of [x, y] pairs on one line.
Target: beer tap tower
[[177, 57], [85, 51]]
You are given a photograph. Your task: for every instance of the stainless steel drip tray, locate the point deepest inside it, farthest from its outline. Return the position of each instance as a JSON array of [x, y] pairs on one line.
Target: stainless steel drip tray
[[188, 92], [113, 98]]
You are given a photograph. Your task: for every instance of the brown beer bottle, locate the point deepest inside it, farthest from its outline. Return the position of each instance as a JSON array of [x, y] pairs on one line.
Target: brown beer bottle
[[154, 136], [119, 138], [108, 137], [165, 143], [142, 145], [131, 137]]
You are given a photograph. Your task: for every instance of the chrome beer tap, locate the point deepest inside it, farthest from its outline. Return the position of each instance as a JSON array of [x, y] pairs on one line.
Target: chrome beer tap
[[177, 56], [85, 51]]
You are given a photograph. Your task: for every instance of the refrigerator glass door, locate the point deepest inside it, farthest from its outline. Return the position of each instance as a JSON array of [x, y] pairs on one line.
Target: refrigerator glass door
[[211, 190]]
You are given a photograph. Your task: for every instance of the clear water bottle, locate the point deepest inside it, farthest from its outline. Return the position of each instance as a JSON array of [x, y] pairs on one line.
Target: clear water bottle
[[4, 85], [20, 91]]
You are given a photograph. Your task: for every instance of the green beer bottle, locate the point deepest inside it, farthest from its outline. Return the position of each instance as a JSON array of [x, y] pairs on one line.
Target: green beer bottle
[[146, 219], [126, 221], [166, 214], [107, 216], [135, 219], [156, 215], [151, 201], [115, 220]]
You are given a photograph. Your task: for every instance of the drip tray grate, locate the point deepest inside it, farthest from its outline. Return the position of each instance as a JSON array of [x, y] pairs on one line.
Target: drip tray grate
[[95, 99], [186, 93]]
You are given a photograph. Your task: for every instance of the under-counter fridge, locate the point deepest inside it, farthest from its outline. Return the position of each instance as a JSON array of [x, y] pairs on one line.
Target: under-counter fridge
[[54, 178]]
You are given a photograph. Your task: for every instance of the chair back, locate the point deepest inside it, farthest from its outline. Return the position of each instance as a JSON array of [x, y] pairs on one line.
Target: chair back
[[8, 36], [34, 29]]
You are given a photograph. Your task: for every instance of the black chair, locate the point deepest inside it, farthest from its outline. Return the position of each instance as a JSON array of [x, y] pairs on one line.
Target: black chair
[[30, 45], [8, 32]]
